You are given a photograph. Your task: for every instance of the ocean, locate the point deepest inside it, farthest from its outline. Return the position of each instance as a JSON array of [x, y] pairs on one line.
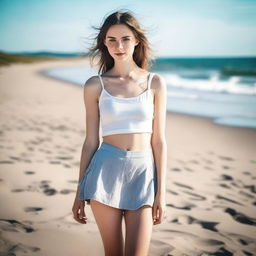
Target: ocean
[[223, 89]]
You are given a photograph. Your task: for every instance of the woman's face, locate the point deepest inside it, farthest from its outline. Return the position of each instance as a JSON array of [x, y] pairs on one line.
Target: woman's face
[[120, 39]]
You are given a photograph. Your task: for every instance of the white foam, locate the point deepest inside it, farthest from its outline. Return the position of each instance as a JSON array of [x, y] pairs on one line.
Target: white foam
[[233, 85]]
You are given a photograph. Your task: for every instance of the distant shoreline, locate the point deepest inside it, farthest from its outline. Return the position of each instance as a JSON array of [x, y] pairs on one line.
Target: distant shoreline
[[7, 58]]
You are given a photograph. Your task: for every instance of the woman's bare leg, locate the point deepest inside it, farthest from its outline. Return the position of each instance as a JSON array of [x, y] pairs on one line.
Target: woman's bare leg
[[109, 221], [138, 225]]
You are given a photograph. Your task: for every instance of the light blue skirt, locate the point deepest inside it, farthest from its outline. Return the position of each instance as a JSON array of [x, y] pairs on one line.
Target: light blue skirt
[[120, 178]]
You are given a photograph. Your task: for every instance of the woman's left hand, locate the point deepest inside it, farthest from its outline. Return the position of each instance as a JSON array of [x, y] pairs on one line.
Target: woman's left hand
[[159, 207]]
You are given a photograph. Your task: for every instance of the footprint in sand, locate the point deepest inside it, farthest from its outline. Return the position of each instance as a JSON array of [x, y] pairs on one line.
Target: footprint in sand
[[54, 162], [65, 157], [67, 191], [50, 191], [67, 166], [210, 242], [222, 252], [73, 181], [43, 185], [6, 162], [33, 209], [12, 225], [226, 177], [227, 199], [175, 169], [188, 169], [183, 185], [15, 158], [224, 185], [9, 248], [195, 196], [243, 193], [194, 161], [252, 188], [241, 239], [208, 225], [240, 217], [185, 207], [46, 188], [18, 190], [226, 158], [29, 172], [186, 219], [172, 192]]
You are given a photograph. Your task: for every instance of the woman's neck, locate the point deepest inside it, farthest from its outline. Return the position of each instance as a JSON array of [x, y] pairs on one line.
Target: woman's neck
[[124, 69]]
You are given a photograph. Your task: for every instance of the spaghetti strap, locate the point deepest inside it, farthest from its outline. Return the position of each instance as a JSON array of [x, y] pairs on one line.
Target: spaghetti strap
[[150, 79], [101, 82]]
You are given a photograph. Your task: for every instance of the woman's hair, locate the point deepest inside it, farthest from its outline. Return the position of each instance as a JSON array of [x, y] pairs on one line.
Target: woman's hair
[[142, 52]]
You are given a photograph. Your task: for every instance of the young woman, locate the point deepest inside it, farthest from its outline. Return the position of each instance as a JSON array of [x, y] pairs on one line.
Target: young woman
[[124, 176]]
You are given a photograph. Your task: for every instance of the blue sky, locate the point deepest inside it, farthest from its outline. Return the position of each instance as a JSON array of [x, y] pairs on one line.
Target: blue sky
[[175, 27]]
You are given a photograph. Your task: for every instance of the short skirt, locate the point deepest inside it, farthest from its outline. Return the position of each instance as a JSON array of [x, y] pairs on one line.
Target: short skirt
[[120, 178]]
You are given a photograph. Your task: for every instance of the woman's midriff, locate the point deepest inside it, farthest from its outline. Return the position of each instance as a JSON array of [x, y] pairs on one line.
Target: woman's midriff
[[130, 141]]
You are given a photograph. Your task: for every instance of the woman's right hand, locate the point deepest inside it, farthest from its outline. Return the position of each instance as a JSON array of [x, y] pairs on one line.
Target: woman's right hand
[[78, 211]]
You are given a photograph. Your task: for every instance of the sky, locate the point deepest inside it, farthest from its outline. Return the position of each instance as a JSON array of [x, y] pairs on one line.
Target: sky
[[175, 28]]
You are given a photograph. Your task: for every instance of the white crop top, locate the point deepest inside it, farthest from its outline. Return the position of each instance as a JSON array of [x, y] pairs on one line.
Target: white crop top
[[126, 115]]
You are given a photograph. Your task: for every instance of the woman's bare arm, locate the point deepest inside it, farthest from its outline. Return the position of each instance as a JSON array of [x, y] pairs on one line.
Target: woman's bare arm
[[91, 142], [158, 140]]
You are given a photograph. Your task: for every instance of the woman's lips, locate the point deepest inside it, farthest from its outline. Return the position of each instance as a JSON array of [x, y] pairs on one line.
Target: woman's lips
[[119, 54]]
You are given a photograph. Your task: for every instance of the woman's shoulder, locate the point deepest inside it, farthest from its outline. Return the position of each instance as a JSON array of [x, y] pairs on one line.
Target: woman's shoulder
[[156, 76], [92, 81], [158, 81], [92, 86]]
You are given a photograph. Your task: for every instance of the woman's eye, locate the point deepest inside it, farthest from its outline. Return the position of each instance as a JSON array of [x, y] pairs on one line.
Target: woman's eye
[[112, 40]]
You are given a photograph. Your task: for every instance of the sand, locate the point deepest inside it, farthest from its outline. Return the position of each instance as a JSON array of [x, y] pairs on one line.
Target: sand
[[211, 176]]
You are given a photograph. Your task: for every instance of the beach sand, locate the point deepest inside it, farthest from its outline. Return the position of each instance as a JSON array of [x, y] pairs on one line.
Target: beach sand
[[211, 176]]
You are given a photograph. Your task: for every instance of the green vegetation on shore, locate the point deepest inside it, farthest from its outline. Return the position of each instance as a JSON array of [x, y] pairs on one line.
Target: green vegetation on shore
[[7, 59], [28, 57]]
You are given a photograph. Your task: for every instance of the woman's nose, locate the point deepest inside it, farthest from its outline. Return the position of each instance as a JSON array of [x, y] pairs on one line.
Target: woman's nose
[[119, 45]]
